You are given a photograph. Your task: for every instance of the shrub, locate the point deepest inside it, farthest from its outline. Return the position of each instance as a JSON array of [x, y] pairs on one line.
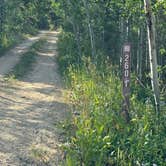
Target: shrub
[[100, 136]]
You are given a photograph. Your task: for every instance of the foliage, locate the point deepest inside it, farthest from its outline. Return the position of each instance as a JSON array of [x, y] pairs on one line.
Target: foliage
[[66, 47], [20, 17], [102, 137], [103, 27], [91, 39]]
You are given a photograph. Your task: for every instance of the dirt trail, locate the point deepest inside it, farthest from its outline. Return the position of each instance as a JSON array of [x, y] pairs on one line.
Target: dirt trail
[[30, 111], [8, 61]]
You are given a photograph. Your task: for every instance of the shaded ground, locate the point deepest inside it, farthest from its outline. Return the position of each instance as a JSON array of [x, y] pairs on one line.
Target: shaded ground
[[30, 111], [8, 61]]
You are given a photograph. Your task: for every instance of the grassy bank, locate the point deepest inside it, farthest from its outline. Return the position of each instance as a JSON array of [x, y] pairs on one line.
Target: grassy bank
[[7, 45], [98, 133]]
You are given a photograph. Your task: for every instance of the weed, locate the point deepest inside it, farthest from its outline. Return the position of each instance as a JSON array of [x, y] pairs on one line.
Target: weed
[[100, 136]]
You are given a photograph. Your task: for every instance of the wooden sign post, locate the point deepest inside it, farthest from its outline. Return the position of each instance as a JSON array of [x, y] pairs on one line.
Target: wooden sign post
[[126, 80]]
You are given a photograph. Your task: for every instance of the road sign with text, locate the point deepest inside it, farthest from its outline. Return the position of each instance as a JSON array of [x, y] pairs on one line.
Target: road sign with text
[[126, 69], [126, 77]]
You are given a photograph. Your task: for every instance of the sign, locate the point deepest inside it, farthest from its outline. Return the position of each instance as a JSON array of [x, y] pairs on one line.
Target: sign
[[126, 78], [126, 69]]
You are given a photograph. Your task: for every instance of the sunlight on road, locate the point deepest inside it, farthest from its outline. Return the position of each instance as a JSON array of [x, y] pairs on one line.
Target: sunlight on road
[[30, 107]]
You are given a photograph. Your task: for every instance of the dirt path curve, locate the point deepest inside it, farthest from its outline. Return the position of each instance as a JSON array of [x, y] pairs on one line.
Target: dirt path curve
[[8, 61], [30, 111]]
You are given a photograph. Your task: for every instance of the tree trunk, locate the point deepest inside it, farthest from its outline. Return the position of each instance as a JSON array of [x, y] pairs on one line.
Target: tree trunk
[[152, 52], [138, 53], [90, 29], [141, 53]]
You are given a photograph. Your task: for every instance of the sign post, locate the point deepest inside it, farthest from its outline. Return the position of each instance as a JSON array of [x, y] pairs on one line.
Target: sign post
[[126, 80]]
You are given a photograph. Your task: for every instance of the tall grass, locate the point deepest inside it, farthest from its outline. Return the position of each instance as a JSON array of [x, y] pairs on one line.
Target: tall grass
[[101, 137]]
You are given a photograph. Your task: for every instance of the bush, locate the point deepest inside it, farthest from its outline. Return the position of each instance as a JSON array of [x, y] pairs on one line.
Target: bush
[[100, 136], [67, 50]]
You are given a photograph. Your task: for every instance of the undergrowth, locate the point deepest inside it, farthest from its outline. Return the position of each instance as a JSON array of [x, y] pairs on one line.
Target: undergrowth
[[100, 136], [8, 43], [9, 40]]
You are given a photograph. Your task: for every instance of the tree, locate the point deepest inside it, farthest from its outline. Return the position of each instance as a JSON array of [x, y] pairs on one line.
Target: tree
[[152, 52]]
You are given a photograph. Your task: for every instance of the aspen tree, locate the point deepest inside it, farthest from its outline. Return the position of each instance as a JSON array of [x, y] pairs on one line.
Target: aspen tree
[[152, 51], [90, 28]]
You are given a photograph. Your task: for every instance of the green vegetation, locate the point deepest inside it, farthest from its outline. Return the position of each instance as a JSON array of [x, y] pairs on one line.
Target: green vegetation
[[26, 61], [98, 132], [11, 44], [102, 137], [92, 34], [21, 17]]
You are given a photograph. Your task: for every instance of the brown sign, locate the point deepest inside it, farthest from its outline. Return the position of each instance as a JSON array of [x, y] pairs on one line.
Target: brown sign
[[126, 77], [126, 69]]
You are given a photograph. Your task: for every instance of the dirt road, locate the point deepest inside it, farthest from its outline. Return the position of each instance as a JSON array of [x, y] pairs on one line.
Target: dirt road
[[30, 111], [9, 60]]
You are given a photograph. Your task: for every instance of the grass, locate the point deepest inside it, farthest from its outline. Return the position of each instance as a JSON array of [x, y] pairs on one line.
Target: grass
[[101, 137], [11, 45], [12, 40], [26, 61], [97, 134]]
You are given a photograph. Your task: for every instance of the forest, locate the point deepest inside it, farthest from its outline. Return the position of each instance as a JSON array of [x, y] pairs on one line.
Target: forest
[[73, 74]]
